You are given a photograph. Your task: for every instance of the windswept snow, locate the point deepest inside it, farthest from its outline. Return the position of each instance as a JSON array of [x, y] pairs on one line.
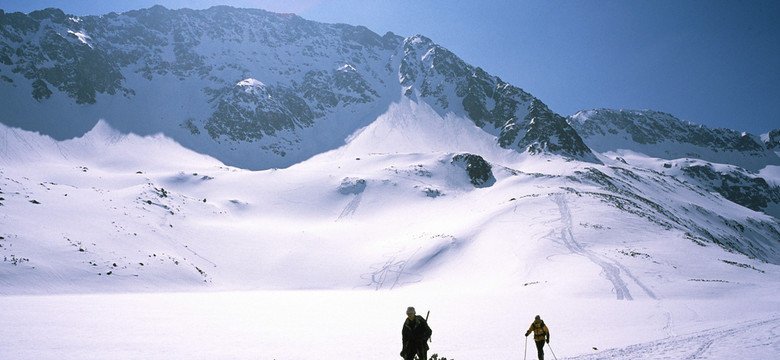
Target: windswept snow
[[122, 246]]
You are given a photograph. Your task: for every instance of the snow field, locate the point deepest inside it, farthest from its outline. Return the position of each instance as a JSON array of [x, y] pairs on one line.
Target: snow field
[[366, 324]]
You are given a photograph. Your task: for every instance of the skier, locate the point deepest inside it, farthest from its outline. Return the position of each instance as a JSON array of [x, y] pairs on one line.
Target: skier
[[541, 335], [415, 335]]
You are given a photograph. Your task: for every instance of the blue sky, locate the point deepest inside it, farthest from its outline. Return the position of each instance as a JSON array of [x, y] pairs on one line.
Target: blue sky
[[715, 63]]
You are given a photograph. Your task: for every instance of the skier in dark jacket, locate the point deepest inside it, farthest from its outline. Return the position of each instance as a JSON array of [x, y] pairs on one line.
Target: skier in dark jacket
[[415, 335], [541, 335]]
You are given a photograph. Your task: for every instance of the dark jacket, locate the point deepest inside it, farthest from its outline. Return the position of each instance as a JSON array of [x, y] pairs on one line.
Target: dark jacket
[[416, 333]]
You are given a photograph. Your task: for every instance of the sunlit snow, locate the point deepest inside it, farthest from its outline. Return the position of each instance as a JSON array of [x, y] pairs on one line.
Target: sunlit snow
[[128, 247]]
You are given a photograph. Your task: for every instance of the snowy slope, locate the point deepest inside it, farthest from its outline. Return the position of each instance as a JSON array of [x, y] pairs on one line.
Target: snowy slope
[[387, 221]]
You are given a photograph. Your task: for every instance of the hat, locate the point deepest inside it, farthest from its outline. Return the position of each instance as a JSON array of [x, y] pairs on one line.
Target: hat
[[410, 310]]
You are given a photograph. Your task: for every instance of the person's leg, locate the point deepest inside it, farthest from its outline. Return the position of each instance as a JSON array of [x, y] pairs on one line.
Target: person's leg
[[423, 354], [540, 349], [410, 352]]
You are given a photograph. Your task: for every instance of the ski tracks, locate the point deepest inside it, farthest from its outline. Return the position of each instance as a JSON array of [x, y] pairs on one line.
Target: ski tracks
[[751, 339], [391, 273], [350, 209], [612, 269]]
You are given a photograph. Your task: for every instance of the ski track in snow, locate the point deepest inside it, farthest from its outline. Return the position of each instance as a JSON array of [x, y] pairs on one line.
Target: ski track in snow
[[391, 273], [753, 337], [612, 269], [350, 209]]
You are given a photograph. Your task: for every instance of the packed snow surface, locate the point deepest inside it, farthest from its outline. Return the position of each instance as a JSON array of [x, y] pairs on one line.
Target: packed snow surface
[[127, 247]]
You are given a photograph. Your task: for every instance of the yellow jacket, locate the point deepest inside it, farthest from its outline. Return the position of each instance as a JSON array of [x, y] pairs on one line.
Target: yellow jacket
[[541, 333]]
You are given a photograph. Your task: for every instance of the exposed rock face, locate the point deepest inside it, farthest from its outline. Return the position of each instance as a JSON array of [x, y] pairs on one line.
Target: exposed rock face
[[773, 140], [352, 186], [479, 171], [548, 131], [738, 186]]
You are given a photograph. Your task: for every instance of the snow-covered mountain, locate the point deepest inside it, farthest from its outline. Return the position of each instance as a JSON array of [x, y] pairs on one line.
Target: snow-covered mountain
[[665, 136], [241, 153], [252, 88]]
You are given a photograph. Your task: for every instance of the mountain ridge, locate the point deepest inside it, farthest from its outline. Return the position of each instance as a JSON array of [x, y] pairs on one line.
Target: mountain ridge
[[316, 76], [656, 133], [119, 67]]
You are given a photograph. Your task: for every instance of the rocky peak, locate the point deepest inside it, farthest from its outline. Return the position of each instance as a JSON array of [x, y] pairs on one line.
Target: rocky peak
[[518, 119], [549, 132]]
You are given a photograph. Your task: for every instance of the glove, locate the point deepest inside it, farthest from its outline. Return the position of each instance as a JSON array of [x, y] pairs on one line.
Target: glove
[[526, 333], [403, 354], [548, 340]]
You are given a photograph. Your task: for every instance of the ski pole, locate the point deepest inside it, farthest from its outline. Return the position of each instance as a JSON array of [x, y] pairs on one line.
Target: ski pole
[[430, 338], [552, 352], [525, 352]]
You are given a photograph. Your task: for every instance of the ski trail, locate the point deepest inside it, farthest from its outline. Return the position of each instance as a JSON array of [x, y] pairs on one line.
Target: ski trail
[[611, 268], [611, 272], [391, 272], [756, 338], [636, 281], [351, 207]]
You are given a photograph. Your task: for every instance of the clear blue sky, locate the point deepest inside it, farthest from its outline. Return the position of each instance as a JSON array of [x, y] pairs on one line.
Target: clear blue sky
[[715, 63]]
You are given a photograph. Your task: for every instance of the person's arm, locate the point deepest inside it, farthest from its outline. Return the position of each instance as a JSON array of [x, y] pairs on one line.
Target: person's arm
[[403, 341]]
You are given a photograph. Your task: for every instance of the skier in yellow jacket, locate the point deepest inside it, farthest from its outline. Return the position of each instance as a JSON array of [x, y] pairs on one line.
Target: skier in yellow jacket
[[541, 335]]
